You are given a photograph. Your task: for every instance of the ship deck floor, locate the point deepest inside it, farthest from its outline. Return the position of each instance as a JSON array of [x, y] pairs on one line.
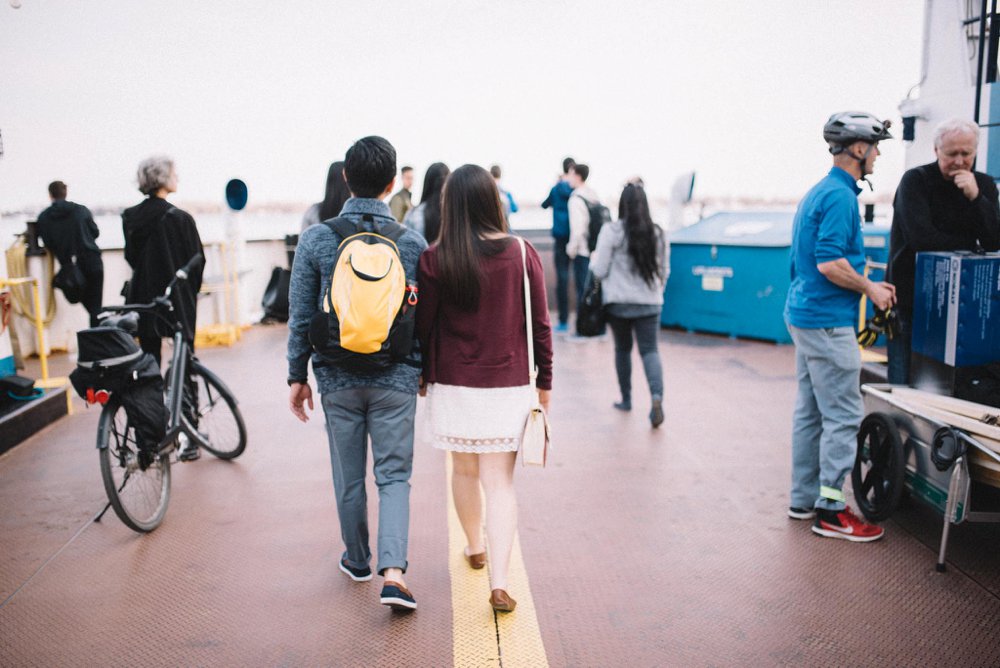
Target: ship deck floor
[[636, 547]]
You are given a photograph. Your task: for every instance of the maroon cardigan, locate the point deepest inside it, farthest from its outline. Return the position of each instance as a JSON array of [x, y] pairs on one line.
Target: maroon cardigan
[[487, 347]]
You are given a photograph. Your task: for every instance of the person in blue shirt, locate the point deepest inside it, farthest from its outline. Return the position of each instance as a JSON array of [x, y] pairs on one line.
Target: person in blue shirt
[[558, 199], [827, 280]]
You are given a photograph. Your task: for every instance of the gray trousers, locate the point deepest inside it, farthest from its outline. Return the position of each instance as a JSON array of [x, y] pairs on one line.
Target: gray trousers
[[387, 417], [828, 412]]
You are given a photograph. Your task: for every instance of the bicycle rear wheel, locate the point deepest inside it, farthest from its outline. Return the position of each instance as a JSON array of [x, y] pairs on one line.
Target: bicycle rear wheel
[[219, 418], [137, 483]]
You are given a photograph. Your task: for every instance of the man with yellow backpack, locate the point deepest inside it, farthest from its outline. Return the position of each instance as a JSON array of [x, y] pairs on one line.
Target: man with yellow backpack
[[352, 299]]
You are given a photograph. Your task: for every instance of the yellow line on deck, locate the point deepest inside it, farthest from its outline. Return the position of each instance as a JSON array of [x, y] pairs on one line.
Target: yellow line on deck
[[479, 636]]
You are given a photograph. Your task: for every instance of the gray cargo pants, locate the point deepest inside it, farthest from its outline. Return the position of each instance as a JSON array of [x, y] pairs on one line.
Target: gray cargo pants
[[387, 416]]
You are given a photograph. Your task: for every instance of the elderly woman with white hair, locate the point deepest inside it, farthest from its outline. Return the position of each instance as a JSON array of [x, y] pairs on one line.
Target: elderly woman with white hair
[[159, 240], [940, 206]]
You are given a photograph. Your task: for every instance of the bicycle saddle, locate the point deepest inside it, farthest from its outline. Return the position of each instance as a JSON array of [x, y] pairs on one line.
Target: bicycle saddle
[[127, 321]]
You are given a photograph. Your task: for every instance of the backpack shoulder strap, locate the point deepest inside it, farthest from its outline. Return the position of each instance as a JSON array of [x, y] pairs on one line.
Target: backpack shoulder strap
[[392, 230], [341, 226]]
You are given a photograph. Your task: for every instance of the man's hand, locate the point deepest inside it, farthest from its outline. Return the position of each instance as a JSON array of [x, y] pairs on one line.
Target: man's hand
[[543, 399], [300, 395], [966, 182], [423, 387], [881, 294]]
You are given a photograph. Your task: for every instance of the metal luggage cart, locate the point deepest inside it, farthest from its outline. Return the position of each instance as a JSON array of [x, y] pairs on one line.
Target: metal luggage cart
[[897, 448]]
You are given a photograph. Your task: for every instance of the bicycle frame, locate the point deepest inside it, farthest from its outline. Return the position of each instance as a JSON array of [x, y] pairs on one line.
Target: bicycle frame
[[177, 424]]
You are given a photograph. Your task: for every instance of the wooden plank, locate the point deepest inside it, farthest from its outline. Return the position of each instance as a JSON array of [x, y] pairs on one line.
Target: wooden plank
[[978, 412]]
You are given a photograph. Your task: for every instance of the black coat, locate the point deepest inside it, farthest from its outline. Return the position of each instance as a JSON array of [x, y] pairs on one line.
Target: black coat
[[931, 213], [159, 240], [68, 229]]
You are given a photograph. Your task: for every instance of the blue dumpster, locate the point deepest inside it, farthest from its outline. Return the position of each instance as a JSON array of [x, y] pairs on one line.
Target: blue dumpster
[[729, 274]]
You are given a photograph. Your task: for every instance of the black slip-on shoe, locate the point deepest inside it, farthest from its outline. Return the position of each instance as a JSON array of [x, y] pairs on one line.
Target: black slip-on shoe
[[397, 597], [356, 574]]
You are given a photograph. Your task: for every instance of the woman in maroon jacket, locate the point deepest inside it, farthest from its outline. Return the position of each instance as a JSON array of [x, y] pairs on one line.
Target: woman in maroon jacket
[[471, 322]]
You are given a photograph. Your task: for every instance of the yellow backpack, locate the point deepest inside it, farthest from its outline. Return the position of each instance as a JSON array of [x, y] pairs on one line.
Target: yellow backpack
[[367, 319]]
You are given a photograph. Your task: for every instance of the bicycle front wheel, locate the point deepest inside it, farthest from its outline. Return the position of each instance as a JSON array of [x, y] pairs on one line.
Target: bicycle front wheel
[[137, 483], [219, 418]]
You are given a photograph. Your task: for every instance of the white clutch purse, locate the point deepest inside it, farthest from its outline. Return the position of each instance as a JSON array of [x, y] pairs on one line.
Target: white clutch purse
[[536, 438]]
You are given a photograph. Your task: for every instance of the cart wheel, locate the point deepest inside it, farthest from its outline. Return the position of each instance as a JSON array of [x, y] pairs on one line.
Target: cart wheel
[[878, 470]]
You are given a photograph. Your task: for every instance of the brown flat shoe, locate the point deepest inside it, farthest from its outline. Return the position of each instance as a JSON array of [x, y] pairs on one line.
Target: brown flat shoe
[[476, 561], [501, 602]]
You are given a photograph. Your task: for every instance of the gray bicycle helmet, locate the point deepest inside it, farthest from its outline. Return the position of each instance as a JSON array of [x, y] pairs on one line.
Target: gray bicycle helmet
[[846, 127]]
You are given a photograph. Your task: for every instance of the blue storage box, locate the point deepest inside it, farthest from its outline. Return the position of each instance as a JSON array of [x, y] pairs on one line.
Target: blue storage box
[[956, 308]]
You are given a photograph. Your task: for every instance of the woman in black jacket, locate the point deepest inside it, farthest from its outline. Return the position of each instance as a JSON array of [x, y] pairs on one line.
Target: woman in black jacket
[[159, 240]]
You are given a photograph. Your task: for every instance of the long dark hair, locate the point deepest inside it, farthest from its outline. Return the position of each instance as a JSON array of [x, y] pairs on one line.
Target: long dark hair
[[470, 210], [336, 192], [431, 196], [641, 233]]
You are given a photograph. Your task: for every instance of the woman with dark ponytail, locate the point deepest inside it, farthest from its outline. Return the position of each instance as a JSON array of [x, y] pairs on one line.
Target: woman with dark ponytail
[[632, 262]]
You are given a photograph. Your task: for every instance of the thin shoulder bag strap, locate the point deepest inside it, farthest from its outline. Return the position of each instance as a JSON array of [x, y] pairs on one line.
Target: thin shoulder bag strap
[[532, 369]]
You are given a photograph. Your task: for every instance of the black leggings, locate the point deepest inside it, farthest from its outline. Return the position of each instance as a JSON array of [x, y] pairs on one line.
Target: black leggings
[[646, 330]]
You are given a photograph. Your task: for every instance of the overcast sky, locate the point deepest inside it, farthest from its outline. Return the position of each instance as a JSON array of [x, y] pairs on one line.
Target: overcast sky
[[272, 92]]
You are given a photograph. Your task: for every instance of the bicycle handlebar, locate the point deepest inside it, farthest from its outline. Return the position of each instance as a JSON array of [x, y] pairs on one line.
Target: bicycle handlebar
[[194, 264], [163, 301]]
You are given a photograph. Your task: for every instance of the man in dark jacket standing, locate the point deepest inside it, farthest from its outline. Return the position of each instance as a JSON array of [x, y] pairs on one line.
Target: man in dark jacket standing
[[68, 230], [558, 200], [941, 206], [159, 240]]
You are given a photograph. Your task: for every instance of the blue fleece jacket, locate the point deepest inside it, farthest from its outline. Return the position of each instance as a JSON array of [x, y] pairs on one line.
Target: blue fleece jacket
[[312, 272], [558, 199], [827, 227]]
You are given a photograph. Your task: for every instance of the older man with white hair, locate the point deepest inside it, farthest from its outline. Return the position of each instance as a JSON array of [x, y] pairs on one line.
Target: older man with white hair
[[941, 206]]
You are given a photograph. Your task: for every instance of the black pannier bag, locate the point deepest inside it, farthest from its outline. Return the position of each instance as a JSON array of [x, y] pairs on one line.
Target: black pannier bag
[[109, 359]]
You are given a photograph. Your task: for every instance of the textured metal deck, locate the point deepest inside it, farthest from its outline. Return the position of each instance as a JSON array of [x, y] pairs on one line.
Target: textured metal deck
[[639, 548]]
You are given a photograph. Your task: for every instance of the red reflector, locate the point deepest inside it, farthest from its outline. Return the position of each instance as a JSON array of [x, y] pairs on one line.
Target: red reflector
[[102, 396], [90, 395]]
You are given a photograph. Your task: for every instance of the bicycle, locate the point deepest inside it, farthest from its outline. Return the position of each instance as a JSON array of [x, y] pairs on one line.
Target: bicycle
[[137, 480]]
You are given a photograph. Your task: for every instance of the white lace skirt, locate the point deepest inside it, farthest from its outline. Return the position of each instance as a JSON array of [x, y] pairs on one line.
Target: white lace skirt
[[479, 420]]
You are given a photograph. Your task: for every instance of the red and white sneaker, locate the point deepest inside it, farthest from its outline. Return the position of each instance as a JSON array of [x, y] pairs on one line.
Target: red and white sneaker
[[846, 525]]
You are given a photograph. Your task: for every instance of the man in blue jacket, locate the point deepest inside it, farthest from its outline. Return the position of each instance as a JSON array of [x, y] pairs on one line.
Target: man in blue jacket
[[558, 199], [827, 265]]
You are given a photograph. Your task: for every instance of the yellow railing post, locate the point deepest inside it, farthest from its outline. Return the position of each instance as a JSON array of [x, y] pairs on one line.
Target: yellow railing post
[[40, 328], [39, 323]]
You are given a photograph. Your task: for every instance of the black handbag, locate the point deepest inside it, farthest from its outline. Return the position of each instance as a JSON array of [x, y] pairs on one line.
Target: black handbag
[[590, 316], [70, 280]]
